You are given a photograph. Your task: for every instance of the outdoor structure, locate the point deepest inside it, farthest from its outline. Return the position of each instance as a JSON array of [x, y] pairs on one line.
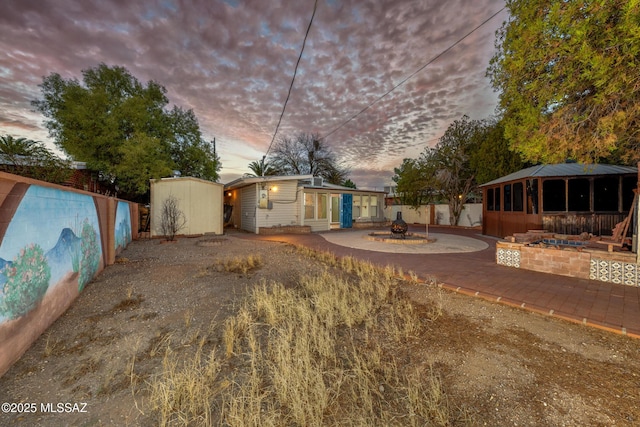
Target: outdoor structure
[[198, 199], [567, 198], [299, 204]]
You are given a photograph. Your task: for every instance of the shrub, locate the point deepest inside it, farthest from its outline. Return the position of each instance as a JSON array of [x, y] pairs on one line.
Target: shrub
[[90, 254], [172, 219], [27, 282]]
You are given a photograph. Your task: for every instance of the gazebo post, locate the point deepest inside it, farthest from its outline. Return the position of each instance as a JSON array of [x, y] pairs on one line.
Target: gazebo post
[[637, 212]]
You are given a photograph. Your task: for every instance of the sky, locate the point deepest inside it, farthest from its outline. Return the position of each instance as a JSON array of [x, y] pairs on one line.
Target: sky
[[232, 62]]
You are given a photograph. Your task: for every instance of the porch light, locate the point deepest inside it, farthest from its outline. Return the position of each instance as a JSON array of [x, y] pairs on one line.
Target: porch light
[[274, 189]]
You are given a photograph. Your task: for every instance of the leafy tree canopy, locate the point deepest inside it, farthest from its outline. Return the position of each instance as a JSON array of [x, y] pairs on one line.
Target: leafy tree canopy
[[490, 156], [350, 184], [32, 159], [307, 154], [123, 128], [415, 182], [470, 151], [451, 161], [567, 73]]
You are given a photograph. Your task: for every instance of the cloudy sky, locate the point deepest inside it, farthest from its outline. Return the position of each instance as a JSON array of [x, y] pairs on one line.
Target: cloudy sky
[[232, 61]]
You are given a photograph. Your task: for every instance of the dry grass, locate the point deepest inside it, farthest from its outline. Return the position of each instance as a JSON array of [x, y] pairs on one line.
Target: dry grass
[[321, 353], [240, 265]]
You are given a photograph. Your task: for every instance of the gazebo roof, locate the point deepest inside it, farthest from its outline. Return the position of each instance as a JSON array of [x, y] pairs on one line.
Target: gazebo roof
[[564, 170]]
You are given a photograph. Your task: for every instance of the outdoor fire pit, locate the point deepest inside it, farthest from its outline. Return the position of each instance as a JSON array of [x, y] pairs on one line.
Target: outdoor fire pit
[[399, 227]]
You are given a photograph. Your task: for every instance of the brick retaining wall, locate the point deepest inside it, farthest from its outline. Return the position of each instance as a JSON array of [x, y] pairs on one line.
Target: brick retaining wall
[[617, 267]]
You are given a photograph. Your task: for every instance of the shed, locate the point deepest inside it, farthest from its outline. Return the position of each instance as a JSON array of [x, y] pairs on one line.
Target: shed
[[199, 200], [260, 204], [567, 198]]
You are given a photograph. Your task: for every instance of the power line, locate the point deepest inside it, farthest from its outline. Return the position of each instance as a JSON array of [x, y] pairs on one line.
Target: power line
[[414, 73], [315, 6]]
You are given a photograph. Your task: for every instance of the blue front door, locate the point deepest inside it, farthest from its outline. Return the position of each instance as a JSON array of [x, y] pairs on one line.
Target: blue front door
[[346, 220]]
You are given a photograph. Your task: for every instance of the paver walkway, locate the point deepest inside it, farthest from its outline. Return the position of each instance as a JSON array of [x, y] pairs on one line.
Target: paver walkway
[[603, 305]]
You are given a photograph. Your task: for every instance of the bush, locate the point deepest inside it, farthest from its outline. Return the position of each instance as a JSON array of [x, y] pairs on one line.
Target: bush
[[172, 219], [90, 254], [27, 282]]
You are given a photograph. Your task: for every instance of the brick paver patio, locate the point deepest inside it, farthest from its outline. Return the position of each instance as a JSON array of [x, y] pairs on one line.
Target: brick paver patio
[[603, 305]]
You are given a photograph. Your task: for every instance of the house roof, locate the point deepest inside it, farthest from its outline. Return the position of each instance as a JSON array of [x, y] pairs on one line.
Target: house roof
[[341, 189], [564, 170], [244, 181], [248, 180]]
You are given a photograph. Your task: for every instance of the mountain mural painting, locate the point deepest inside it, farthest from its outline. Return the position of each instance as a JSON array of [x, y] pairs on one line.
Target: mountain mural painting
[[36, 256]]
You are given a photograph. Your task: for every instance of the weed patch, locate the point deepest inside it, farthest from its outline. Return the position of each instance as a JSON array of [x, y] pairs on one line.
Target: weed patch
[[322, 352]]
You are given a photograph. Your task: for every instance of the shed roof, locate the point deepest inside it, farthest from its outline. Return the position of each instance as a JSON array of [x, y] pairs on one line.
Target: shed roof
[[182, 179], [564, 170]]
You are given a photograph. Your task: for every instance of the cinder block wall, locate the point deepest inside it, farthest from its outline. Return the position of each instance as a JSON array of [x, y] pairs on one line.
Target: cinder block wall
[[60, 239]]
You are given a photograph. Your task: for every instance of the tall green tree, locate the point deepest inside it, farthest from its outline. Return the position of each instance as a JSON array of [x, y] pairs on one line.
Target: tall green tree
[[32, 159], [123, 129], [490, 156], [451, 160], [567, 73], [307, 154], [415, 182], [445, 172]]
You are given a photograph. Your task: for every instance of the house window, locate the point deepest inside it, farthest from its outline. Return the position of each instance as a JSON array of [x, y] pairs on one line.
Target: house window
[[322, 206], [518, 195], [356, 206], [554, 195], [507, 198], [490, 199], [579, 192], [497, 199], [605, 194], [309, 205], [374, 206], [364, 209]]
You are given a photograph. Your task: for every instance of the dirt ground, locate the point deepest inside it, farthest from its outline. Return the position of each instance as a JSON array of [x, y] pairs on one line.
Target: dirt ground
[[502, 365]]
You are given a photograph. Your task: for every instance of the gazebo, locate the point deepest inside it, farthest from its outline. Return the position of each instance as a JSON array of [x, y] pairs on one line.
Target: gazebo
[[567, 198]]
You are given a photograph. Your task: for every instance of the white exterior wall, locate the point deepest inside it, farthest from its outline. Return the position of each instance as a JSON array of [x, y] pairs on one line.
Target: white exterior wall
[[284, 204], [409, 214], [471, 215], [248, 208]]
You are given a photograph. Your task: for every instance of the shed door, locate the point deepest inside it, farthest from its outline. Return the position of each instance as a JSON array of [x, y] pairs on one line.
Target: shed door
[[346, 219]]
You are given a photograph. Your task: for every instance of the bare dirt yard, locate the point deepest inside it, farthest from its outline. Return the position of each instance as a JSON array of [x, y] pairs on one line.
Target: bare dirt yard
[[219, 330]]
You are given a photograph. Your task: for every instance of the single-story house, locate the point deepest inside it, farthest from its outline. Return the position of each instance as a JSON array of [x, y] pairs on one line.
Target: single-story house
[[567, 198], [257, 204]]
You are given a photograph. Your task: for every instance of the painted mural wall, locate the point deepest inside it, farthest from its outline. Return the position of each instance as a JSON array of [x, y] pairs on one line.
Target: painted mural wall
[[123, 226], [52, 244]]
